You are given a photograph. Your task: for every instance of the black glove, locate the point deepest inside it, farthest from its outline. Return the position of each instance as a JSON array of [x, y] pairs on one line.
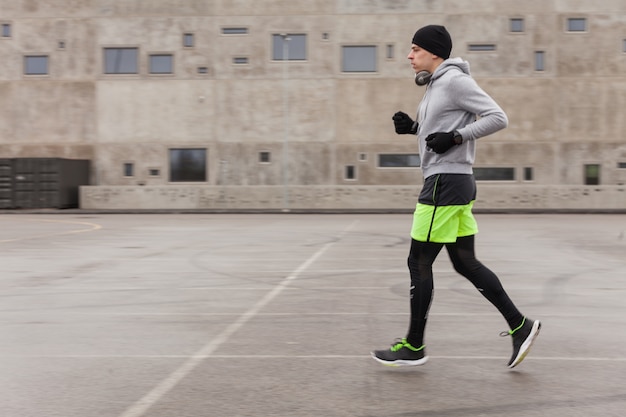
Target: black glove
[[404, 124], [440, 142]]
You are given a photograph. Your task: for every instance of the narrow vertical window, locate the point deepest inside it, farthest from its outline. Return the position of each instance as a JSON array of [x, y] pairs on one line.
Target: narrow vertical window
[[540, 61], [350, 173], [6, 30], [129, 169], [528, 174], [390, 51], [516, 25], [592, 174], [188, 40]]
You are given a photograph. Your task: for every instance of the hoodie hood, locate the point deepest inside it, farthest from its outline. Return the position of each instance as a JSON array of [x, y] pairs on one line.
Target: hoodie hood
[[452, 64]]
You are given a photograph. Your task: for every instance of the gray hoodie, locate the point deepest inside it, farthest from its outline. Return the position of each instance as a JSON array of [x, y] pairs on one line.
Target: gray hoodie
[[453, 101]]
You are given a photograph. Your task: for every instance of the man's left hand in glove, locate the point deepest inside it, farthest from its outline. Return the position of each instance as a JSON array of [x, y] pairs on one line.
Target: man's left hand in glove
[[441, 142]]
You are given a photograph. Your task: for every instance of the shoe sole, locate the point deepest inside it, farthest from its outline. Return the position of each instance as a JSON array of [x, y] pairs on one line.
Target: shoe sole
[[525, 348], [400, 362]]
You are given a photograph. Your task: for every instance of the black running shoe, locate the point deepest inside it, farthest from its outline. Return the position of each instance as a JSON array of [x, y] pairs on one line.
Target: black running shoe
[[523, 338], [401, 353]]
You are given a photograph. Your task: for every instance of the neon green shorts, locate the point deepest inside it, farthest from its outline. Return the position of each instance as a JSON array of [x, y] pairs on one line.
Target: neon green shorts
[[444, 209], [443, 224]]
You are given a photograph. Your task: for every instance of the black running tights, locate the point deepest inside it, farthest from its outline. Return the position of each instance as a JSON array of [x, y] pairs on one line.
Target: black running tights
[[420, 261]]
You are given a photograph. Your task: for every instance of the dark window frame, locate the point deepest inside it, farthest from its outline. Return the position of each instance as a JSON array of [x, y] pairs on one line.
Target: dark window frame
[[6, 30], [590, 177], [352, 59], [349, 173], [399, 160], [122, 58], [265, 157], [571, 25], [297, 46], [517, 25], [31, 63], [188, 165], [235, 30], [128, 169], [540, 61], [157, 55], [494, 173], [482, 47], [189, 40]]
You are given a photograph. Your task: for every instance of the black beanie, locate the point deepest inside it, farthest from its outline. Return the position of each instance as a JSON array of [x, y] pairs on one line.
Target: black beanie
[[435, 39]]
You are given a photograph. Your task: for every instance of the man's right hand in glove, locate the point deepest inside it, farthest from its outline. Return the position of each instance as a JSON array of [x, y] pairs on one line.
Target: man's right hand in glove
[[404, 124]]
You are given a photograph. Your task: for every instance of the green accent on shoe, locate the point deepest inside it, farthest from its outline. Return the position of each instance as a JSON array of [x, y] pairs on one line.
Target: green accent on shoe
[[518, 327], [404, 343]]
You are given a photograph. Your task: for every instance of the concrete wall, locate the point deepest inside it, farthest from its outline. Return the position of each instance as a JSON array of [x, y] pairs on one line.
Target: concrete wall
[[313, 118]]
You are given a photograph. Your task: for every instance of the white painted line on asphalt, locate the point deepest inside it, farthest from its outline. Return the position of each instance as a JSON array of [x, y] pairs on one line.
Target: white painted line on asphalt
[[140, 407]]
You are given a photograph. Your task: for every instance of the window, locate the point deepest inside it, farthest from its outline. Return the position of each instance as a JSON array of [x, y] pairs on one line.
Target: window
[[36, 64], [188, 165], [592, 174], [358, 58], [240, 60], [188, 40], [528, 174], [540, 61], [481, 47], [577, 24], [61, 44], [234, 31], [120, 60], [516, 25], [293, 46], [325, 36], [399, 160], [621, 165], [154, 172], [203, 70], [390, 51], [363, 157], [494, 174], [6, 30], [265, 157], [129, 169], [161, 64], [350, 172]]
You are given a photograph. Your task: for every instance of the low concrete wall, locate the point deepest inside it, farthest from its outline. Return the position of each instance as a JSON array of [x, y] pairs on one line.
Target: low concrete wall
[[202, 197]]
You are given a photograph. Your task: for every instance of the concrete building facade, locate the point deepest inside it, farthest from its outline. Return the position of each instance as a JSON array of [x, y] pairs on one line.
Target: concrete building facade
[[275, 104]]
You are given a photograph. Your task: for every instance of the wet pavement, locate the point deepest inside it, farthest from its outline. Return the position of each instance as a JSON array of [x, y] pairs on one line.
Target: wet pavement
[[190, 315]]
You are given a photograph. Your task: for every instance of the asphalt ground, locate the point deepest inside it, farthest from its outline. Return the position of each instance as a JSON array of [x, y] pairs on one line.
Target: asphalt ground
[[192, 315]]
